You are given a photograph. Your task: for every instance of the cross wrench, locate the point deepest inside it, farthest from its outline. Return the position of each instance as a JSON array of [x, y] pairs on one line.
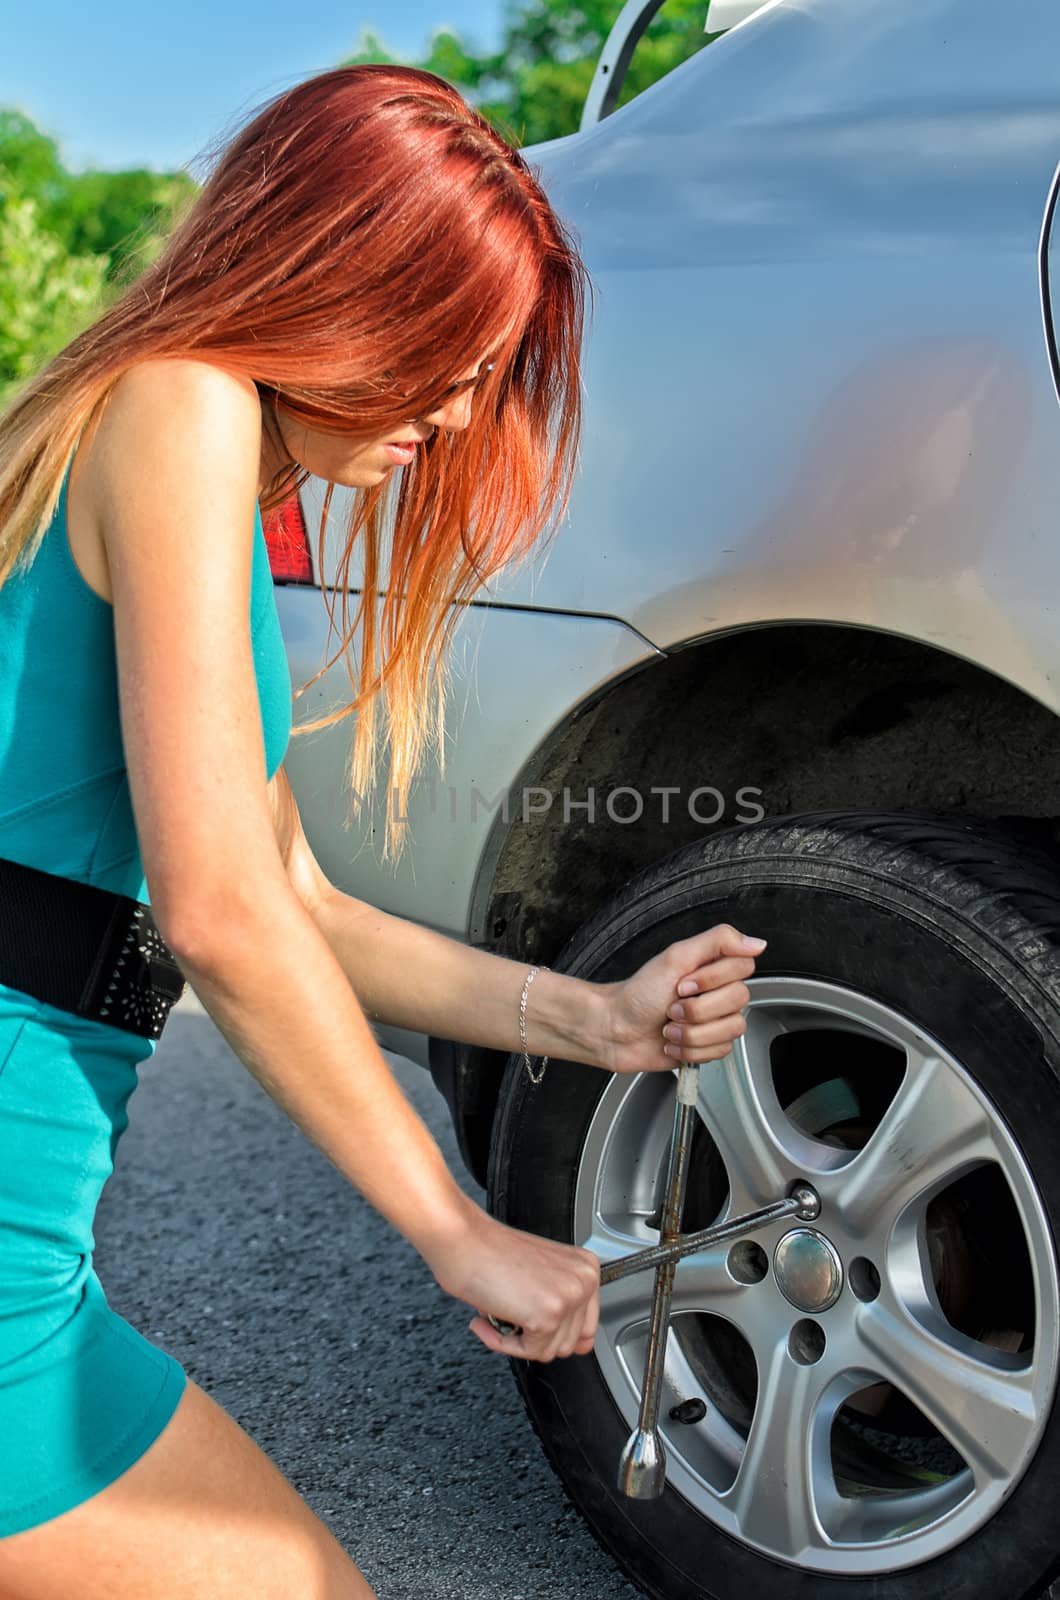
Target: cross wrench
[[642, 1470], [802, 1203]]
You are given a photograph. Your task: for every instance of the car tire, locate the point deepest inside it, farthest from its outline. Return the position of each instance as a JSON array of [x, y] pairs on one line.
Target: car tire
[[909, 994]]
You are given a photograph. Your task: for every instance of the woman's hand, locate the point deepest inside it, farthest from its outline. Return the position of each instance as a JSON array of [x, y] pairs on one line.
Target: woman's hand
[[551, 1291], [694, 990]]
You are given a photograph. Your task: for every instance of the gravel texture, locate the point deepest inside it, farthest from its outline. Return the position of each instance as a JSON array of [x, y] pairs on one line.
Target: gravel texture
[[227, 1238]]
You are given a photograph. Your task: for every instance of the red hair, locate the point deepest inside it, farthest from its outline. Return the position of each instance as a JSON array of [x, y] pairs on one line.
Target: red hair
[[362, 240]]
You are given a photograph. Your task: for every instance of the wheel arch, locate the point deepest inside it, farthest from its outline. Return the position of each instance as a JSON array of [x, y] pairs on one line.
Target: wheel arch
[[816, 716]]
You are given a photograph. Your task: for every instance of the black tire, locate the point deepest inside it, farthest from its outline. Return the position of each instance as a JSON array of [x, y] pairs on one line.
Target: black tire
[[954, 924]]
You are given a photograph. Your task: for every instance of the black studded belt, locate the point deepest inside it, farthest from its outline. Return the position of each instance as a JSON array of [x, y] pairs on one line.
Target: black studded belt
[[85, 950]]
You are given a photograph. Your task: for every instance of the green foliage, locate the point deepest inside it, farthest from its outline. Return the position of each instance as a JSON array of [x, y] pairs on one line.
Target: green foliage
[[31, 165], [124, 215], [47, 294], [116, 214], [533, 88], [69, 241]]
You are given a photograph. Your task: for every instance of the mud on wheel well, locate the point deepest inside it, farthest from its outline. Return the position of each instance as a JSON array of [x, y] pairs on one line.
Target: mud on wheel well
[[814, 717]]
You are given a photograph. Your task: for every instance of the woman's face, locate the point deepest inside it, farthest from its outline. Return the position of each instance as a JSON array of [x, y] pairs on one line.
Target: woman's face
[[362, 463]]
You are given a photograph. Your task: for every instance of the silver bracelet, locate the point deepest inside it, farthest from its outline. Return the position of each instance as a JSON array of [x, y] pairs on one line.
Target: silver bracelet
[[531, 975]]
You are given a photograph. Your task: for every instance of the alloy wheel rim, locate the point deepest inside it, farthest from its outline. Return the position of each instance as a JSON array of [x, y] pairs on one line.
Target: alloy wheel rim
[[803, 1469]]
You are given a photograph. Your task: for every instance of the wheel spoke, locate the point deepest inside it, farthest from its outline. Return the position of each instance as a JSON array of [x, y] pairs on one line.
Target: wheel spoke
[[934, 1129], [700, 1280], [981, 1400], [613, 1238], [624, 1309], [785, 1474], [761, 1148], [624, 1305]]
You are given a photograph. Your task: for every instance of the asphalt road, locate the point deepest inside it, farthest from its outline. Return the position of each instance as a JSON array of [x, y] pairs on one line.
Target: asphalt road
[[227, 1238]]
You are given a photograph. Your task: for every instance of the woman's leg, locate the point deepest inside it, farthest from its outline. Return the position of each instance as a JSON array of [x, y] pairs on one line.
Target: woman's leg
[[202, 1515]]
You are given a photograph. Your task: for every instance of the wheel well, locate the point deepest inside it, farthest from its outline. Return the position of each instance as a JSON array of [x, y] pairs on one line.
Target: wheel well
[[813, 716]]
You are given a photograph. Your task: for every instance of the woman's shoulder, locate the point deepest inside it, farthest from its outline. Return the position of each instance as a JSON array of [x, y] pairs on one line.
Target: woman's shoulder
[[171, 409], [183, 399], [173, 430], [187, 376]]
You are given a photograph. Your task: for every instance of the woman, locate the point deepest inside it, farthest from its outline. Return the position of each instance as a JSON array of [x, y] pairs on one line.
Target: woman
[[371, 288]]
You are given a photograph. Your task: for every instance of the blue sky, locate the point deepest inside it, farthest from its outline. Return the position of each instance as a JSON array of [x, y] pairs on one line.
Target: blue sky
[[124, 84]]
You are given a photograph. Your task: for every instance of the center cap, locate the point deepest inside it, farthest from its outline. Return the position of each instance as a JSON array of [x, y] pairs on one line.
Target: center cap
[[808, 1269]]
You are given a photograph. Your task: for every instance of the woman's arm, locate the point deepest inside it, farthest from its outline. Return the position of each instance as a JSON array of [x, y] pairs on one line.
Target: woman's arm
[[174, 477], [266, 976], [411, 977]]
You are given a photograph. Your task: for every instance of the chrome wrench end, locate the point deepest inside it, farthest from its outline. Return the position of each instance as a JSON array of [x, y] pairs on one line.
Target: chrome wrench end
[[642, 1469]]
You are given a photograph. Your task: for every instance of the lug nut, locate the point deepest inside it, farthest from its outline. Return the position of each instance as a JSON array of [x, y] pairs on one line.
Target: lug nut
[[809, 1201]]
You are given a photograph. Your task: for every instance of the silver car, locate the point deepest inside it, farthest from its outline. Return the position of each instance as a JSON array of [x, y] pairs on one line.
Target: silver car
[[793, 661]]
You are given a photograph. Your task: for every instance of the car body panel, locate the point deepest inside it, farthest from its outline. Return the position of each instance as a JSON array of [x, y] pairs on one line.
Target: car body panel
[[816, 381], [727, 13], [817, 385], [515, 674], [844, 203]]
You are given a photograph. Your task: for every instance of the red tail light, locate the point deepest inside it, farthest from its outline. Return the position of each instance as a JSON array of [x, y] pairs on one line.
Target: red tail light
[[288, 543]]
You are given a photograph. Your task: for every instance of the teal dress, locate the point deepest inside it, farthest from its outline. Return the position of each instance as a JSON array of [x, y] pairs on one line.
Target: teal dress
[[82, 1394]]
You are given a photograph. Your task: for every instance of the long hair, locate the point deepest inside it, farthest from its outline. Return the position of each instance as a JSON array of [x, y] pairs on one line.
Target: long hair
[[362, 240]]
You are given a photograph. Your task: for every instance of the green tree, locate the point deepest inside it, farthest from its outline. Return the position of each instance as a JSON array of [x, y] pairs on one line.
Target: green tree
[[47, 293], [122, 215], [31, 166], [534, 86], [69, 241]]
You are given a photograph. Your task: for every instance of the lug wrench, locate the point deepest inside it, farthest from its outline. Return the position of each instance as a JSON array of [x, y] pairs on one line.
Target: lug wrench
[[642, 1470], [802, 1203]]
